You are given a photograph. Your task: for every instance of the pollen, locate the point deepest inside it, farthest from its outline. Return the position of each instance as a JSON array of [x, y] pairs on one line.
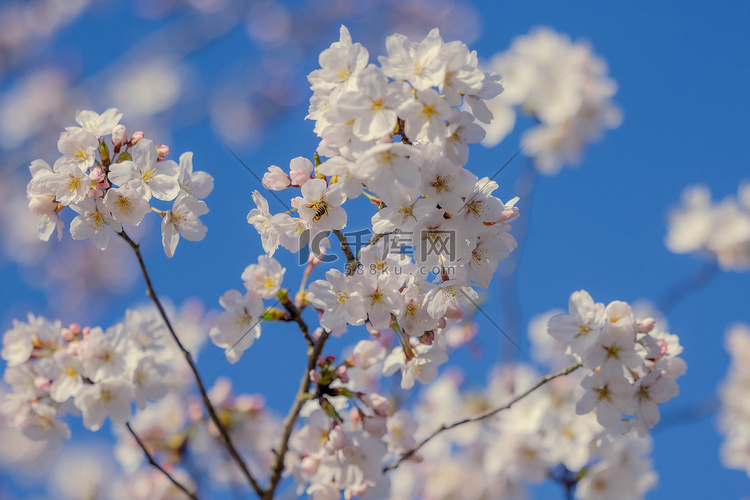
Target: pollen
[[124, 205]]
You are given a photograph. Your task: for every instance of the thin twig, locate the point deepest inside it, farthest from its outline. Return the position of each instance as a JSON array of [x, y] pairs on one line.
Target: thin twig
[[482, 416], [153, 462], [352, 262], [206, 401], [313, 353]]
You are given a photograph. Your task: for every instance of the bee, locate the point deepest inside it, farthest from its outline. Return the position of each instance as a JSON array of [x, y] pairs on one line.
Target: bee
[[320, 210]]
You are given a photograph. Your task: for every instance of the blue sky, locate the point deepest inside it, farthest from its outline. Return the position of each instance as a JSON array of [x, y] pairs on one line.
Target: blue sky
[[683, 79]]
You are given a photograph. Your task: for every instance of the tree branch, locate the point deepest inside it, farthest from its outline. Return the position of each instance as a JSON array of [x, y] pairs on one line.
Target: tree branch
[[153, 462], [483, 415], [352, 263], [313, 353], [206, 401]]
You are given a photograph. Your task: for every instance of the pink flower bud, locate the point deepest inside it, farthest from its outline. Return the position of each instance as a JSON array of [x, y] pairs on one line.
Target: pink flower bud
[[97, 175], [119, 136], [341, 372], [300, 169], [75, 328], [162, 151], [276, 179], [315, 376], [42, 383], [137, 136], [85, 332], [67, 335]]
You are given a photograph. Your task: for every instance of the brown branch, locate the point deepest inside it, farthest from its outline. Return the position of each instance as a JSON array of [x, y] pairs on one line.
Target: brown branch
[[296, 315], [153, 462], [313, 353], [483, 415], [352, 262], [206, 401]]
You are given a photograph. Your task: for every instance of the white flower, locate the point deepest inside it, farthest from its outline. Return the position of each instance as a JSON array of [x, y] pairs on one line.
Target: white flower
[[109, 398], [372, 106], [404, 208], [97, 124], [425, 117], [581, 326], [78, 148], [609, 395], [613, 350], [260, 218], [422, 367], [94, 222], [401, 429], [148, 383], [126, 205], [381, 164], [264, 278], [71, 183], [338, 63], [421, 64], [320, 205], [197, 184], [183, 221], [67, 381], [147, 175], [337, 298], [237, 328]]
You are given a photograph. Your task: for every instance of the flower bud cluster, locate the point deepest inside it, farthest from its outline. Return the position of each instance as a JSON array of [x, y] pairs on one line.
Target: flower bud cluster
[[564, 86], [54, 371], [109, 189], [718, 230], [632, 366]]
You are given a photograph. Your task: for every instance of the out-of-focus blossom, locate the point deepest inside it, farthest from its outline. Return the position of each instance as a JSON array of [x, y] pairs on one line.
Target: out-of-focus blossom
[[719, 231], [562, 85]]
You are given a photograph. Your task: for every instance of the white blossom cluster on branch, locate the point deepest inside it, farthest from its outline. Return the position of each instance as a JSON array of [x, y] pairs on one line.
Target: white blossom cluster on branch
[[110, 189]]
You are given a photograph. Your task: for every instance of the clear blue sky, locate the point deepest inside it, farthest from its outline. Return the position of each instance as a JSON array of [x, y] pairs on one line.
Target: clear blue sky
[[683, 77]]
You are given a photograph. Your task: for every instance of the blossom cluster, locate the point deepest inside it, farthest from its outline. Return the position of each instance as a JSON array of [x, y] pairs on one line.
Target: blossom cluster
[[446, 232], [718, 230], [55, 370], [632, 364], [108, 189], [564, 87], [353, 430], [735, 410], [176, 431]]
